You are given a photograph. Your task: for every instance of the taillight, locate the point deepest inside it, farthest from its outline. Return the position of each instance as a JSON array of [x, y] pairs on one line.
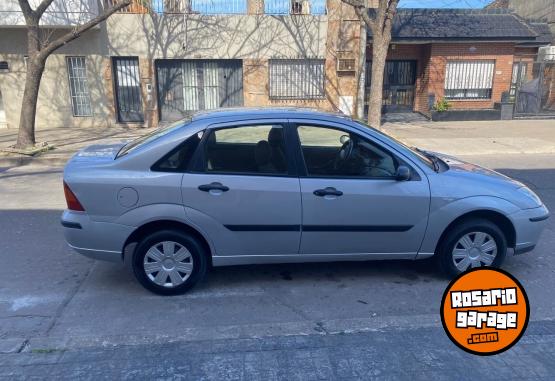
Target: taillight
[[71, 200]]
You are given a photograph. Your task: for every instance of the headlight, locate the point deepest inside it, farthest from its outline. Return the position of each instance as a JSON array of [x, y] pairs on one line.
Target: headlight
[[531, 197]]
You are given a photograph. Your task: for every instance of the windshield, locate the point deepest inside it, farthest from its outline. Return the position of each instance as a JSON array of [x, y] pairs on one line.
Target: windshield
[[151, 136], [416, 153]]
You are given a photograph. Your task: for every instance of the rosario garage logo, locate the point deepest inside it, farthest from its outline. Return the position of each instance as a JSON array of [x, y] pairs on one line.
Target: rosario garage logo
[[485, 311]]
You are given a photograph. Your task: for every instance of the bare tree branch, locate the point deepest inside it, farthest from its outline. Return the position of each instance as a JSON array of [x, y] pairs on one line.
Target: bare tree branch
[[361, 11], [28, 12], [42, 7], [78, 31]]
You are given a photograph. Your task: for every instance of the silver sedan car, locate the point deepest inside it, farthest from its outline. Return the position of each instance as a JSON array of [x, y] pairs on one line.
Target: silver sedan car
[[244, 186]]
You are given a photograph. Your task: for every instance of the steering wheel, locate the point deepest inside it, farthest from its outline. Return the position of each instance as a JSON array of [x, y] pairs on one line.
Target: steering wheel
[[344, 153], [377, 171]]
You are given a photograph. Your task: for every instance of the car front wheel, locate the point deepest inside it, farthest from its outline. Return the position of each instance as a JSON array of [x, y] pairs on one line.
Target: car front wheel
[[470, 244], [169, 262]]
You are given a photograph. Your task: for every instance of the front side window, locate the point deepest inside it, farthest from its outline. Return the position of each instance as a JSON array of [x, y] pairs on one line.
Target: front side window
[[78, 86], [246, 150], [469, 79], [296, 79], [330, 152]]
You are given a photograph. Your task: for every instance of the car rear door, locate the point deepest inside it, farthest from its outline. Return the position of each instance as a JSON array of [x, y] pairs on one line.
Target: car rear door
[[244, 192], [349, 210]]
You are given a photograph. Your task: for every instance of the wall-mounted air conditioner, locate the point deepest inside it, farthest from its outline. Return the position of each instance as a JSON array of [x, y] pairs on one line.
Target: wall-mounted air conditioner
[[546, 53]]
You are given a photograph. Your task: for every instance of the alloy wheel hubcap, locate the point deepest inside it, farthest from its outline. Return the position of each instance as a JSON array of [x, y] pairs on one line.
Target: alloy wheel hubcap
[[168, 264], [474, 249]]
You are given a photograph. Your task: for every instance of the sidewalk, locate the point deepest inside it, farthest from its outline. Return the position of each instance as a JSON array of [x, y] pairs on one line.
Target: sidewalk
[[66, 141], [454, 138], [478, 138], [415, 354]]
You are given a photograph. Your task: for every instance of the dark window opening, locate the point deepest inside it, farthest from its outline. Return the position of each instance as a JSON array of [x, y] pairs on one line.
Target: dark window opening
[[179, 158]]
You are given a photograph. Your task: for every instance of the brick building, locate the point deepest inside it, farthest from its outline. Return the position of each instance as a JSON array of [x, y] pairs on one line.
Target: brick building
[[160, 60], [464, 56]]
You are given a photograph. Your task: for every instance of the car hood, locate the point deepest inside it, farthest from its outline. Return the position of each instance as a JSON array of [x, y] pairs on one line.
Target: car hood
[[462, 168]]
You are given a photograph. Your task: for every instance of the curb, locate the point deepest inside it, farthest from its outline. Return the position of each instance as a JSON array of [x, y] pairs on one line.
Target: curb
[[13, 162]]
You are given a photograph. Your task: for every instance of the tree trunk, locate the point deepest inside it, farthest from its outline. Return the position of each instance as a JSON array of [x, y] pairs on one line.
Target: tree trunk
[[379, 54], [361, 70], [35, 68], [26, 135]]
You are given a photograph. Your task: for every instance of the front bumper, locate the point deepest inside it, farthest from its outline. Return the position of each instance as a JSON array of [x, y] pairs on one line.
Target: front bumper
[[529, 224], [98, 240]]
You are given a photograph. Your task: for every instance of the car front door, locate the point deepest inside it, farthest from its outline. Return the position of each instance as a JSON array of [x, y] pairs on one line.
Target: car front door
[[244, 192], [352, 200]]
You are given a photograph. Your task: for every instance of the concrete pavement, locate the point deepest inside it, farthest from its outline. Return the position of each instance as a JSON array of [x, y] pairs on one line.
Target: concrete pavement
[[66, 142], [500, 137], [415, 354]]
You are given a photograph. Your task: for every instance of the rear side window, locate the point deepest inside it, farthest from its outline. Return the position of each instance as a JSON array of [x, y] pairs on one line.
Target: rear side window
[[258, 149], [177, 160]]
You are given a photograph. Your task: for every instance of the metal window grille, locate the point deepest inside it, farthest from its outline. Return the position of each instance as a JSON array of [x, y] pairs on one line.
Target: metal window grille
[[219, 6], [469, 79], [296, 79], [284, 7], [78, 86], [518, 77], [274, 7]]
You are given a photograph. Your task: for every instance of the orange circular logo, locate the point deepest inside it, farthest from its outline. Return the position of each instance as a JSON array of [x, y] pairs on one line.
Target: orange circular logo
[[485, 311]]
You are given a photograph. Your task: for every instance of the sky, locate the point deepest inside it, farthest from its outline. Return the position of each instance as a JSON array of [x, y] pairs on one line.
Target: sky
[[443, 3]]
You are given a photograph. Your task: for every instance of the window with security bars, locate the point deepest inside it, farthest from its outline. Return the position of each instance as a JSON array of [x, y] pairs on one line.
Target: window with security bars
[[296, 79], [78, 86], [295, 7], [469, 79]]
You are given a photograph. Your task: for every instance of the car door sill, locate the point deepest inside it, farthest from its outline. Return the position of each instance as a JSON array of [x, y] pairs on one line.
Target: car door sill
[[230, 260]]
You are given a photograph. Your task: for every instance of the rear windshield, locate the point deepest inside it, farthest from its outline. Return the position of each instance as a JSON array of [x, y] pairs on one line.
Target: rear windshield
[[151, 136]]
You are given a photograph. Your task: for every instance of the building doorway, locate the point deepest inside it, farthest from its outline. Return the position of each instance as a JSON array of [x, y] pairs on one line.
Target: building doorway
[[535, 95], [186, 86], [129, 104], [399, 82]]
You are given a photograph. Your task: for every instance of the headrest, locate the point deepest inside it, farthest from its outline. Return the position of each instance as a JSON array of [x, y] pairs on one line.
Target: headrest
[[275, 136]]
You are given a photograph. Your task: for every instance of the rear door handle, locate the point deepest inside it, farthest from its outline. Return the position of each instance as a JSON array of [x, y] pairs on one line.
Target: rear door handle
[[329, 191], [213, 186]]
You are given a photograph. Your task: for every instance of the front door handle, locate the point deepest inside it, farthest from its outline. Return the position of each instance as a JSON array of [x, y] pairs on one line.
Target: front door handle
[[213, 186], [329, 191]]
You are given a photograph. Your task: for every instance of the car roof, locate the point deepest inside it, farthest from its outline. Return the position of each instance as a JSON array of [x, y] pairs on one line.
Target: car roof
[[266, 112]]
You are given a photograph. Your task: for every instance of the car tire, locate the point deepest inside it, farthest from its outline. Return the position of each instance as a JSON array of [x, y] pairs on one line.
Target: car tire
[[452, 250], [169, 262]]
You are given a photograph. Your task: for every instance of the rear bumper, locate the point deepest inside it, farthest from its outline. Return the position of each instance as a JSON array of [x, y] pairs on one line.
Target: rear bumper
[[98, 240], [529, 224]]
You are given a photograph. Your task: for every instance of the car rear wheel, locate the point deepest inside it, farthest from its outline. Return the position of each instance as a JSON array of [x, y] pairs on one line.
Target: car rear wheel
[[472, 243], [169, 262]]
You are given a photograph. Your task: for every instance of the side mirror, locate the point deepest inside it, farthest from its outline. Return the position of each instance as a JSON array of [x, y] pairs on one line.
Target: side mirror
[[403, 173]]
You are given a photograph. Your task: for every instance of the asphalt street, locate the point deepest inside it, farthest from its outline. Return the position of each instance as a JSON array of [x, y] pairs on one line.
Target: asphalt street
[[65, 316]]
